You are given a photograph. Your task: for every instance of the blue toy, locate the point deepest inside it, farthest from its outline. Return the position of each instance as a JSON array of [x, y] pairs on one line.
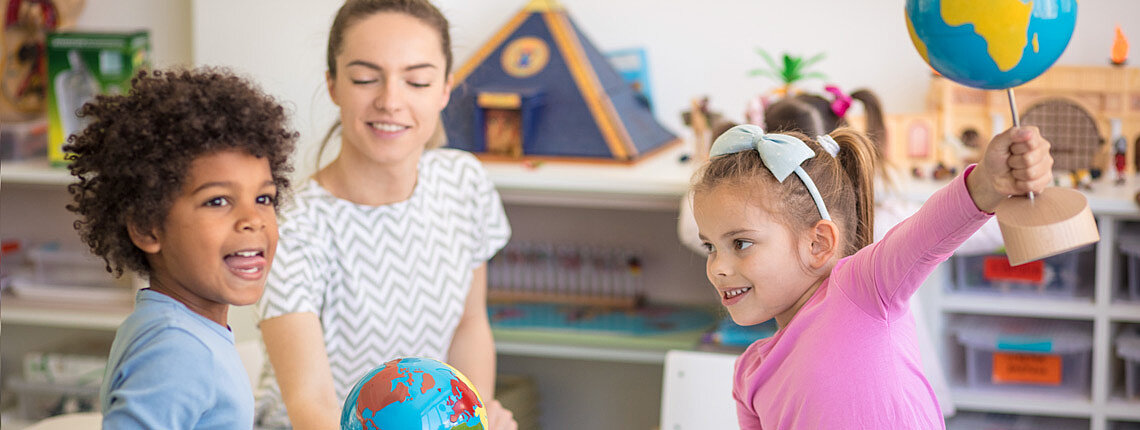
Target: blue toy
[[413, 394], [991, 44]]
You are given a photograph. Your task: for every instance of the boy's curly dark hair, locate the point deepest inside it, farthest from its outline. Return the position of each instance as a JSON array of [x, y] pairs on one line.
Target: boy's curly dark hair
[[133, 157]]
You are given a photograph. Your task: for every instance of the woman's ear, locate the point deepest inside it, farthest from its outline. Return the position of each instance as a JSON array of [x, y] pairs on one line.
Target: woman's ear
[[824, 236], [145, 240]]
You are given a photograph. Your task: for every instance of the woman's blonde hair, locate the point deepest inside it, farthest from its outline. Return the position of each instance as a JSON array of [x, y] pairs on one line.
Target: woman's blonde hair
[[845, 182]]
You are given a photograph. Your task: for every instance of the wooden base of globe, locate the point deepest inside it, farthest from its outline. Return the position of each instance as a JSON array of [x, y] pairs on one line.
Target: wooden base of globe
[[1054, 221]]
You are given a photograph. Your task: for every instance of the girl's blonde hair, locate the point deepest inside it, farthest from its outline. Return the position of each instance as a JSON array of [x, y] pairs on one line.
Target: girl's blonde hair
[[845, 182]]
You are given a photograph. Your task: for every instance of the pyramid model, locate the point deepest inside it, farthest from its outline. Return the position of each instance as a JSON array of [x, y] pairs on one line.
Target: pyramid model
[[539, 89]]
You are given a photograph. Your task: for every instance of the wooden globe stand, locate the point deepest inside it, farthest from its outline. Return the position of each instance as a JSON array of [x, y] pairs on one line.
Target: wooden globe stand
[[1054, 221]]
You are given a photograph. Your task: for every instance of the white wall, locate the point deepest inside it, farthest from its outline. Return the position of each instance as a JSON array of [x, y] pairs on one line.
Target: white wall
[[167, 20], [694, 48]]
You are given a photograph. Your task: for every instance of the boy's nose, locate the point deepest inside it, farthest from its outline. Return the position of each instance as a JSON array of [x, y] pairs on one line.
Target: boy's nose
[[251, 220]]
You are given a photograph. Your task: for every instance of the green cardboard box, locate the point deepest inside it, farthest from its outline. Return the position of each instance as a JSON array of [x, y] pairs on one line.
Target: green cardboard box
[[81, 65]]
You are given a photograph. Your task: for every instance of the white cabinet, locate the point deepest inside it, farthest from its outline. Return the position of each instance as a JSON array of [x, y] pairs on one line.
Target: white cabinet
[[1104, 311]]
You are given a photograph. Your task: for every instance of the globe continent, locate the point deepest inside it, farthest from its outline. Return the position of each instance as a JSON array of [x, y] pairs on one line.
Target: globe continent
[[991, 44], [413, 393]]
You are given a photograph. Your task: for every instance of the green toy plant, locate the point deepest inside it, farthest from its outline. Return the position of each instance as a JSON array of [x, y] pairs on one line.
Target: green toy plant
[[793, 69]]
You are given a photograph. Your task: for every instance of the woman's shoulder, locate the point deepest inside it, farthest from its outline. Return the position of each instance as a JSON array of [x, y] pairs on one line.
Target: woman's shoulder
[[454, 160], [308, 205]]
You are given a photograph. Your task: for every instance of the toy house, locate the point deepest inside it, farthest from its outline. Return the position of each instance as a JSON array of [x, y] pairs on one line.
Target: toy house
[[538, 89], [1074, 107]]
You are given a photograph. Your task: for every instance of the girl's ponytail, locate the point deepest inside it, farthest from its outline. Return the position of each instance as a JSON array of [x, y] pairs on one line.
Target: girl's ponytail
[[859, 160]]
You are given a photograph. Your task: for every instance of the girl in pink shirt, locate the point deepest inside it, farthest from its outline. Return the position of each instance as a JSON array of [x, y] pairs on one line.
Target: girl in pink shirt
[[787, 222]]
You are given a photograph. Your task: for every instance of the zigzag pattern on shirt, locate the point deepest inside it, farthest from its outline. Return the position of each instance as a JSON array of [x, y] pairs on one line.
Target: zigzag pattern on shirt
[[387, 281]]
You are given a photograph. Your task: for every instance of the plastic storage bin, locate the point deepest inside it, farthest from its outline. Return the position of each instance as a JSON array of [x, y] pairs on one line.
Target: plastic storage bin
[[1058, 275], [69, 268], [37, 400], [1129, 244], [1043, 356], [1128, 348]]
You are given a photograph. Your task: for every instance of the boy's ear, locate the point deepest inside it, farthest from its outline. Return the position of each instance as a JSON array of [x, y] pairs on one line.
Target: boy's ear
[[824, 245], [146, 240]]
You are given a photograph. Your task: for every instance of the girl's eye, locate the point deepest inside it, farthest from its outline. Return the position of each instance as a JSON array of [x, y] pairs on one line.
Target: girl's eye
[[217, 201], [266, 199], [741, 244], [709, 249]]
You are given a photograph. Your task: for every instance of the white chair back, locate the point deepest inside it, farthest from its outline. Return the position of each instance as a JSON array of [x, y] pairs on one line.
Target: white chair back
[[696, 393]]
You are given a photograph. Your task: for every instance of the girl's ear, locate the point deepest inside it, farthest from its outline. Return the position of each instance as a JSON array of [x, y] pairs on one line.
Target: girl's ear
[[147, 241], [824, 245]]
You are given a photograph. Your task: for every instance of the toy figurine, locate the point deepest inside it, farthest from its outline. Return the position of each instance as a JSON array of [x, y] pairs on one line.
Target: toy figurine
[[1119, 150]]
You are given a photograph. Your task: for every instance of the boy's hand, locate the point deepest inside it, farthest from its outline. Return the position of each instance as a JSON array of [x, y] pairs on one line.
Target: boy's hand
[[1016, 162]]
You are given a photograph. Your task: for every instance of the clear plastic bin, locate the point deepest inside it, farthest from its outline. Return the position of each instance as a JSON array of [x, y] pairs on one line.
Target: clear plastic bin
[[996, 421], [37, 400], [1128, 348], [22, 140], [1028, 355], [69, 268], [1129, 245], [1058, 275]]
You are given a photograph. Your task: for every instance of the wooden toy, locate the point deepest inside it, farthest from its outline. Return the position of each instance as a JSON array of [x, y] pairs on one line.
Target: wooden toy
[[1000, 46], [538, 89]]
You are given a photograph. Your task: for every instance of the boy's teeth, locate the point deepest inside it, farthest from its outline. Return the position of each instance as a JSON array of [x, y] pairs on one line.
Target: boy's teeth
[[246, 253]]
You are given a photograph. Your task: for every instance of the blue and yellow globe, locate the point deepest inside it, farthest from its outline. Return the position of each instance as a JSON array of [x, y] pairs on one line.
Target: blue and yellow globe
[[413, 393], [991, 44]]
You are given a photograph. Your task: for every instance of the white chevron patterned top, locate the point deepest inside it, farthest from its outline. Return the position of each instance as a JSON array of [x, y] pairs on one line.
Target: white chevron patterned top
[[386, 281]]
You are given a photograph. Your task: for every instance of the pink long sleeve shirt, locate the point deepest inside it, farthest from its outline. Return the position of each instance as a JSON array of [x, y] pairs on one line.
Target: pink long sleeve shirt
[[849, 358]]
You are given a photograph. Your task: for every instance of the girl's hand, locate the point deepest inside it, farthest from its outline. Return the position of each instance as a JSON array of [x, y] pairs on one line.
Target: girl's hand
[[1016, 162]]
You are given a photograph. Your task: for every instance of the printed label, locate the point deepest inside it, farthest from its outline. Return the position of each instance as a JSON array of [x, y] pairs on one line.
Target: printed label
[[1037, 369]]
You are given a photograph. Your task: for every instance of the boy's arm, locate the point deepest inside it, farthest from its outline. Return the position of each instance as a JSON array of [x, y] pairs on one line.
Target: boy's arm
[[165, 384], [296, 347]]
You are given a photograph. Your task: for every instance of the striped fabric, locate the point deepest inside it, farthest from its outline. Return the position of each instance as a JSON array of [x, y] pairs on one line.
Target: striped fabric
[[387, 281]]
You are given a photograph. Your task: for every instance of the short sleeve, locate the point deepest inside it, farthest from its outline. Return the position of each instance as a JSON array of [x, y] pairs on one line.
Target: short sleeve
[[166, 384], [492, 230], [295, 282]]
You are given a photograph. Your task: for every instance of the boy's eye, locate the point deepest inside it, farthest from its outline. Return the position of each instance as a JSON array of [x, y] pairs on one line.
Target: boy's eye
[[741, 244], [266, 199], [217, 201]]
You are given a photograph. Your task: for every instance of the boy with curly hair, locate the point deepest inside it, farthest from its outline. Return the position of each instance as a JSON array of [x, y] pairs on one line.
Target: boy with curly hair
[[179, 180]]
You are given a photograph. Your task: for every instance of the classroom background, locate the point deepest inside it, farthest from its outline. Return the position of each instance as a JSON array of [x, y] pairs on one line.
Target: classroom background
[[592, 378]]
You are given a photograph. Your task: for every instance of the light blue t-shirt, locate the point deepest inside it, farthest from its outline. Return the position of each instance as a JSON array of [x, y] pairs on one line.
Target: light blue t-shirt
[[171, 368]]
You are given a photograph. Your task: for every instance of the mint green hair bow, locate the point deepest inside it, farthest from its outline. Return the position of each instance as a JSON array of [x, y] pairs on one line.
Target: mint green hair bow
[[782, 154]]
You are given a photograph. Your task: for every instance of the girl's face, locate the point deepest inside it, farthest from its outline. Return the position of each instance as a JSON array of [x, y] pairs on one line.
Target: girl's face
[[390, 86], [216, 244], [754, 262]]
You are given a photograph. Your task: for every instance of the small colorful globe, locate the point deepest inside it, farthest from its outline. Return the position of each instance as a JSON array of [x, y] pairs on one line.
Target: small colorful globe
[[413, 394], [991, 44]]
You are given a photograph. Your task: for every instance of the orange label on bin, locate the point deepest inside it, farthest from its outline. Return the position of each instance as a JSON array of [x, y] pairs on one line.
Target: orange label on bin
[[998, 269], [1039, 369]]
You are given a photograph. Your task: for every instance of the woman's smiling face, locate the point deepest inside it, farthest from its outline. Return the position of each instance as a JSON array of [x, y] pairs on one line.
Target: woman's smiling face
[[391, 85]]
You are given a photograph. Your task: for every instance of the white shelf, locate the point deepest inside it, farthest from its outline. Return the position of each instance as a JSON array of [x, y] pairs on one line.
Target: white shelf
[[1118, 409], [1124, 311], [621, 355], [14, 310], [655, 183], [1018, 403], [34, 172], [1074, 308]]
